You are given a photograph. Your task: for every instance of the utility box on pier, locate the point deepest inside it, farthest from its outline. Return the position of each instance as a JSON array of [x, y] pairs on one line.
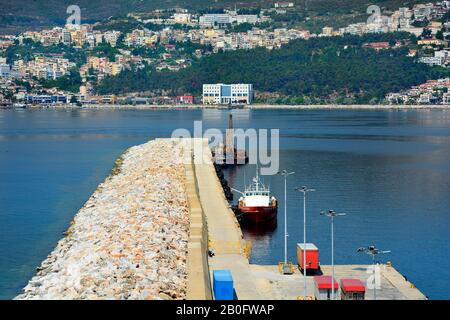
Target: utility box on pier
[[223, 285], [312, 256], [322, 288], [352, 289]]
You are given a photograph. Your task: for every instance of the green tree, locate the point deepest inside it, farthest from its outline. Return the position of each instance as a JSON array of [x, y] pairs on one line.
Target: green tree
[[74, 99]]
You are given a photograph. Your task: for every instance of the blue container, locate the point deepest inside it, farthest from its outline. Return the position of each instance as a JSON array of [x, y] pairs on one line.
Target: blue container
[[223, 285]]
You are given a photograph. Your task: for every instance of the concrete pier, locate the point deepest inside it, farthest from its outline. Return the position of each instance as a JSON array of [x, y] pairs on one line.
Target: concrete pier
[[264, 282], [147, 230], [225, 236]]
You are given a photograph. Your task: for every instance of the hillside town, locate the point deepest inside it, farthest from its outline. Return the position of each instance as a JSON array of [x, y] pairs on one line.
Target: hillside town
[[431, 92], [63, 64]]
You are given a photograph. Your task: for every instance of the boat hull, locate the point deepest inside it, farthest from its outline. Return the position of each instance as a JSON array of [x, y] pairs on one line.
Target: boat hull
[[257, 214]]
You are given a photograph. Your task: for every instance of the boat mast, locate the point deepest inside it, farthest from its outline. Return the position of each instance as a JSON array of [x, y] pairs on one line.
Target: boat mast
[[229, 138], [257, 178]]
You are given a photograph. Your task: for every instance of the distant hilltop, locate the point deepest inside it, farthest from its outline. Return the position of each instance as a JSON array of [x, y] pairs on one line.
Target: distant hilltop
[[20, 15]]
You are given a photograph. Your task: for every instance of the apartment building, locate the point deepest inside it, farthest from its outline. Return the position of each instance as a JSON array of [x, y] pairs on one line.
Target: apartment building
[[210, 20], [5, 70], [227, 93], [446, 98]]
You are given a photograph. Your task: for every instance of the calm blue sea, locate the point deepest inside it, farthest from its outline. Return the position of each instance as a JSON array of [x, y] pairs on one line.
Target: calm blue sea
[[388, 170]]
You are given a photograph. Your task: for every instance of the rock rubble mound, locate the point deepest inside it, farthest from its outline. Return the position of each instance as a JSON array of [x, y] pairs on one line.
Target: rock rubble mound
[[129, 240]]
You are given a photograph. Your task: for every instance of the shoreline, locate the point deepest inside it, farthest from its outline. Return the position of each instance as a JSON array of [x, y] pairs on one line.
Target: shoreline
[[246, 107]]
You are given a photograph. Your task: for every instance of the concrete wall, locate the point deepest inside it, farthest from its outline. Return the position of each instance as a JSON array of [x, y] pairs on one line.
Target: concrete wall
[[198, 284]]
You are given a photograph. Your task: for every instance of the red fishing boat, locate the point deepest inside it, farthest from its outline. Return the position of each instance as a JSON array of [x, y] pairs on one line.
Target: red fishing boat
[[256, 204]]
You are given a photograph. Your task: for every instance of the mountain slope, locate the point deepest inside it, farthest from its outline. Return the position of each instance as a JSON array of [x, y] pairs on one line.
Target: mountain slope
[[20, 15]]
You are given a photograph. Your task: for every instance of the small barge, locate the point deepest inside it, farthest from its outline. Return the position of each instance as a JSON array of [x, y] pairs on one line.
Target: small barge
[[226, 154]]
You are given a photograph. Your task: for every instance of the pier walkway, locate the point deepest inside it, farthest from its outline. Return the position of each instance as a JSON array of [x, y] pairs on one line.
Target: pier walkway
[[224, 233]]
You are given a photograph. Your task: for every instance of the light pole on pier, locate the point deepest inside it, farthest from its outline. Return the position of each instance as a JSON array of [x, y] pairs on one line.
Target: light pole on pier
[[304, 190], [285, 174], [373, 251], [332, 214]]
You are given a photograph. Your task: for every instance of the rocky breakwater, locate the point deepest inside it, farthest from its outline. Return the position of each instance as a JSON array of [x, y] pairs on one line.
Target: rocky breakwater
[[129, 241]]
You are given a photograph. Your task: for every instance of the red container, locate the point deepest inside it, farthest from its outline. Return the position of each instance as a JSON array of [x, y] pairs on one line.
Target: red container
[[323, 288], [312, 256], [352, 289]]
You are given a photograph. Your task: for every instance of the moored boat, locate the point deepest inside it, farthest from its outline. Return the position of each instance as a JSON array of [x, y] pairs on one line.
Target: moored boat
[[256, 204], [226, 153]]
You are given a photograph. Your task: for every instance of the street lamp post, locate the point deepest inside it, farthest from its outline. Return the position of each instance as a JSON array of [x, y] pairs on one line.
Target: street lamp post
[[285, 174], [332, 214], [304, 190], [373, 251]]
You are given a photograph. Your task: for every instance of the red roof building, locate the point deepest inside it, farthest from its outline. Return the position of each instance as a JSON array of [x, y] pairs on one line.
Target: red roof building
[[185, 99], [324, 282], [352, 289], [377, 45], [322, 287]]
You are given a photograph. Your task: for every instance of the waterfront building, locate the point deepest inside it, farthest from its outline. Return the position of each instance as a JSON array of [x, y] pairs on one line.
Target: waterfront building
[[425, 98], [108, 99], [186, 99], [446, 98], [227, 93], [46, 99]]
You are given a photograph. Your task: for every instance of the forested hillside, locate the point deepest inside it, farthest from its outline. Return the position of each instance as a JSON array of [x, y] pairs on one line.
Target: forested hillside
[[20, 15], [334, 69]]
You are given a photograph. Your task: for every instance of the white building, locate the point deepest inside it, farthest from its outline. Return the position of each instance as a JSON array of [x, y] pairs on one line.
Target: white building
[[424, 98], [405, 18], [432, 61], [284, 5], [210, 20], [422, 11], [5, 70], [227, 93], [111, 37], [246, 18], [182, 17], [444, 55], [327, 31], [446, 98], [66, 37]]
